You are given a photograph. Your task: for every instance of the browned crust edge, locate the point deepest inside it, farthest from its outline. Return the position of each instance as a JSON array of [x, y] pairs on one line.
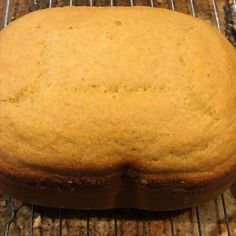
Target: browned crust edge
[[122, 189]]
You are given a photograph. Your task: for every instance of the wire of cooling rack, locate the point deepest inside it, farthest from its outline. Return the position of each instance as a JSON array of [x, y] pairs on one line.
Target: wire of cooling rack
[[151, 3], [13, 214], [115, 225], [172, 4], [216, 14], [32, 220], [172, 229], [199, 222], [192, 8], [60, 221], [60, 216], [225, 215], [87, 225], [7, 13]]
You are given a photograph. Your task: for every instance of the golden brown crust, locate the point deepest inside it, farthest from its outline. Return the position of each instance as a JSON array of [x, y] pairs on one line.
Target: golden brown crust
[[67, 108], [84, 115]]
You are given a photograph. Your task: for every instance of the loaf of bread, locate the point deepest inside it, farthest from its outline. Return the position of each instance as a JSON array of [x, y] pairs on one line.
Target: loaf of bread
[[116, 107]]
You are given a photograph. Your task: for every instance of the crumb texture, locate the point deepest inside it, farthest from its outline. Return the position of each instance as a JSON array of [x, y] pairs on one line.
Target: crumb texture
[[98, 88]]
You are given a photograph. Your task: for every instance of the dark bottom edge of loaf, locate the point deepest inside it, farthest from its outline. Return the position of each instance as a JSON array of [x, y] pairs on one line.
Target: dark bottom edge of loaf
[[115, 195]]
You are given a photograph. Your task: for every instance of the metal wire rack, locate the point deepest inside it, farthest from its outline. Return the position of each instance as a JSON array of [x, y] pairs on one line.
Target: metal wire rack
[[172, 221]]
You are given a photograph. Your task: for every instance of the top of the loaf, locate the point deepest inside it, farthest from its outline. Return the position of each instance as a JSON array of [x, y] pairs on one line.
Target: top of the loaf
[[97, 88]]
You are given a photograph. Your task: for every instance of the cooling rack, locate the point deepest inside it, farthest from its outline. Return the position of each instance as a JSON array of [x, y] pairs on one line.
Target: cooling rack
[[214, 218]]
